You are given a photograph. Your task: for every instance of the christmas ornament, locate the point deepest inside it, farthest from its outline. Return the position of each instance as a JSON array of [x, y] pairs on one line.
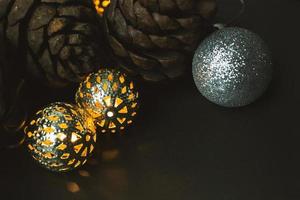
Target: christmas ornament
[[232, 67], [101, 5], [61, 40], [156, 38], [110, 98], [60, 138]]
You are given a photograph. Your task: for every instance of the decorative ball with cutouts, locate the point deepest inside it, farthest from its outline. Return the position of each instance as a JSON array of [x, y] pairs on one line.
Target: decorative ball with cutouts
[[60, 138], [110, 97]]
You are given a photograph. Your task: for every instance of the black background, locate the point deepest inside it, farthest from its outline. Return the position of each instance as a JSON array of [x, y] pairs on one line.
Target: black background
[[183, 147]]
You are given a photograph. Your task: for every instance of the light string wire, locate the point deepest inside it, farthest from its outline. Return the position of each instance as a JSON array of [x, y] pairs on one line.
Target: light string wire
[[12, 109], [232, 21]]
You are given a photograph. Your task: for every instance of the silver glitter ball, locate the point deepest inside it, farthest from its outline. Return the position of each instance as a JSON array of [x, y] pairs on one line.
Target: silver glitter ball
[[232, 67]]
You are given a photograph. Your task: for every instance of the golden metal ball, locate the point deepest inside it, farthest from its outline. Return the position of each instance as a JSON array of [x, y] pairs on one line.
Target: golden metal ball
[[110, 98], [60, 138]]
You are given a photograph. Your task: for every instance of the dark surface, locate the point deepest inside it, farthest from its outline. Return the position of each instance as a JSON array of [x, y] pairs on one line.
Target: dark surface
[[185, 148]]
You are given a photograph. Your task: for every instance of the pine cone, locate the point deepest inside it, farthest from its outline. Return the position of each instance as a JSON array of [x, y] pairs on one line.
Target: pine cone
[[156, 38], [60, 39]]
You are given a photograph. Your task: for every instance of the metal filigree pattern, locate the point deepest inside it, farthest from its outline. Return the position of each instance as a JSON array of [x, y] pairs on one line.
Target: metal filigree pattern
[[110, 98], [60, 138]]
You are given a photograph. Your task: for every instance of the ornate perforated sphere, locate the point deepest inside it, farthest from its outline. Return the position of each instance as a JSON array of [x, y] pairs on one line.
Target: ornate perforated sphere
[[110, 97], [60, 138]]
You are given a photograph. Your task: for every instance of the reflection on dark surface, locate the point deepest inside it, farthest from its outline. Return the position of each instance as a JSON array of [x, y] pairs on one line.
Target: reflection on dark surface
[[73, 187], [105, 169]]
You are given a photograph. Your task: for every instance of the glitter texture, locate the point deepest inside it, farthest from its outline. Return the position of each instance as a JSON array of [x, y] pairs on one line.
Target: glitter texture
[[232, 67]]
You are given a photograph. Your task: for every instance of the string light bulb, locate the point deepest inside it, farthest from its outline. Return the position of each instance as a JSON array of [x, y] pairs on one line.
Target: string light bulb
[[110, 97], [101, 5], [60, 138]]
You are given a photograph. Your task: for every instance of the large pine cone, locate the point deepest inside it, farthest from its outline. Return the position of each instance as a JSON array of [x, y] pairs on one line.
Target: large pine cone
[[60, 39], [156, 38]]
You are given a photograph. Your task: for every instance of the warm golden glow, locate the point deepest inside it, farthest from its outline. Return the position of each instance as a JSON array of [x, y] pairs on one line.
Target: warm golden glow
[[123, 110], [111, 99], [71, 162], [107, 101], [100, 5], [112, 125], [48, 129], [122, 79], [48, 155], [63, 126], [134, 105], [102, 123], [84, 153], [88, 85], [75, 137], [105, 87], [65, 156], [61, 136], [84, 173], [91, 148], [61, 147], [77, 148], [121, 120], [29, 134], [110, 77], [124, 90], [118, 102], [77, 164], [98, 79], [73, 187], [110, 114], [47, 143], [53, 118]]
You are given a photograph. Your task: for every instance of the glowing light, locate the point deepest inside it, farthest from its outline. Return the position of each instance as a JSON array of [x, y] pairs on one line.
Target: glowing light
[[101, 5], [110, 114]]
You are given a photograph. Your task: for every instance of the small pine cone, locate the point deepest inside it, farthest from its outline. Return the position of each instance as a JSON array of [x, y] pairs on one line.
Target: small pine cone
[[60, 39], [156, 38]]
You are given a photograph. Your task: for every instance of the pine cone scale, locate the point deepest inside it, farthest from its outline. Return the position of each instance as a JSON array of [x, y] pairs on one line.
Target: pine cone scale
[[19, 11], [35, 40], [127, 9], [56, 43], [117, 47], [41, 17], [59, 39], [57, 25], [144, 63], [120, 27], [155, 38]]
